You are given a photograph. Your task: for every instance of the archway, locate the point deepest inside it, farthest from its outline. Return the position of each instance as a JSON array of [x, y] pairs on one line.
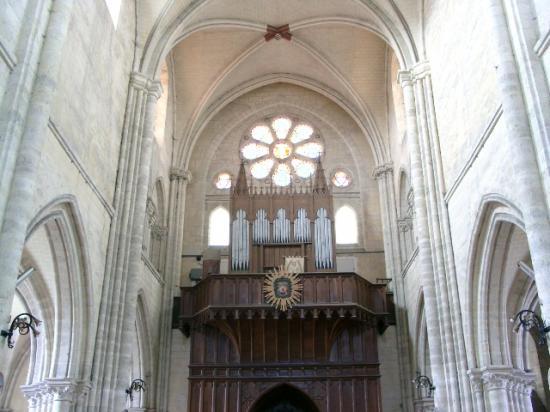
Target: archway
[[53, 285], [284, 398], [507, 369]]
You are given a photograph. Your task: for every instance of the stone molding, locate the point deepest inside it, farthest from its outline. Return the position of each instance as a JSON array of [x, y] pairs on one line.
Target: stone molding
[[420, 70], [8, 58], [141, 82], [75, 160], [424, 405], [151, 211], [501, 378], [159, 231], [380, 171], [542, 44], [405, 224], [487, 132], [49, 390], [417, 72], [180, 174]]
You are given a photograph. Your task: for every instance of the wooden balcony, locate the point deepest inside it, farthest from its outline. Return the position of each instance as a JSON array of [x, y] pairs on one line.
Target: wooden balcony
[[240, 296]]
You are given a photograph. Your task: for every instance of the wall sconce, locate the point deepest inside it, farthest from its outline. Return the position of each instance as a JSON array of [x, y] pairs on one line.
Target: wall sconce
[[529, 319], [423, 382], [137, 385], [23, 323]]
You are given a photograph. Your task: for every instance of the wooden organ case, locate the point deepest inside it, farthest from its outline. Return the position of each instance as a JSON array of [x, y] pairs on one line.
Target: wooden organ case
[[320, 355]]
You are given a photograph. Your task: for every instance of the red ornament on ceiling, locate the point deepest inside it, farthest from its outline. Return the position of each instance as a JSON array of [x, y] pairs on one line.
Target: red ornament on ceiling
[[278, 33]]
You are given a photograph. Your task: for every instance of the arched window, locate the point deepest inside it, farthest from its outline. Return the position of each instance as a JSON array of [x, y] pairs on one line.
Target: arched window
[[346, 226], [218, 227]]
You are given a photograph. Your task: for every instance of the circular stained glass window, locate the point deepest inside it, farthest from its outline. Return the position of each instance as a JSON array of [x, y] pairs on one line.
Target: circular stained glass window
[[223, 181], [283, 149], [341, 178]]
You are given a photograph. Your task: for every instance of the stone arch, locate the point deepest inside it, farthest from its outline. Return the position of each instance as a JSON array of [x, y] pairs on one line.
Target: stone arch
[[173, 25], [281, 393], [499, 262], [55, 286], [421, 345], [142, 357], [367, 126]]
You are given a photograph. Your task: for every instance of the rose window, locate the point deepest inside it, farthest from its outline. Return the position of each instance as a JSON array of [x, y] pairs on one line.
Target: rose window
[[282, 149]]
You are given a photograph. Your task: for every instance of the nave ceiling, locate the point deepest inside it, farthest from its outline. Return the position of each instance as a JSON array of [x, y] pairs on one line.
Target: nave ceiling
[[216, 52]]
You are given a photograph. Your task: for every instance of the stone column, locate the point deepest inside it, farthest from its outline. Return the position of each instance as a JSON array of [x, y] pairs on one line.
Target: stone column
[[519, 52], [496, 386], [477, 390], [424, 248], [119, 294], [434, 229], [532, 193], [384, 175], [18, 208], [525, 385], [179, 179]]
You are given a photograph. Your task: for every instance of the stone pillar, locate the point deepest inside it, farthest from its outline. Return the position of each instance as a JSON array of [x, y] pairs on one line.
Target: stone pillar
[[519, 49], [477, 390], [424, 248], [18, 207], [384, 175], [434, 237], [179, 179], [532, 193], [501, 388], [119, 294], [497, 385], [424, 405]]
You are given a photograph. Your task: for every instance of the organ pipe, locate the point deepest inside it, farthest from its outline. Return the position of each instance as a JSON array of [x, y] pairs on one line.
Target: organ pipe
[[239, 242], [323, 240]]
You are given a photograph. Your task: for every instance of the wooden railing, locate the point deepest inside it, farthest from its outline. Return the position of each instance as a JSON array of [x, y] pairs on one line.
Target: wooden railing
[[326, 291]]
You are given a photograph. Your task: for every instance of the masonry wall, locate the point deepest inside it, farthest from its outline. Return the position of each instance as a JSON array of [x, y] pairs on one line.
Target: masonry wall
[[218, 149]]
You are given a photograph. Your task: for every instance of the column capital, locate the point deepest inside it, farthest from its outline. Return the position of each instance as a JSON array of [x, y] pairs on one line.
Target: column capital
[[144, 83], [48, 390], [420, 70], [416, 72], [475, 380], [180, 174], [404, 77], [382, 170]]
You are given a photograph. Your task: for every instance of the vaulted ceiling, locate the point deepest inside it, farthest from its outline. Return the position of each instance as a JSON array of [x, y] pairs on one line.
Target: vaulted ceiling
[[216, 52]]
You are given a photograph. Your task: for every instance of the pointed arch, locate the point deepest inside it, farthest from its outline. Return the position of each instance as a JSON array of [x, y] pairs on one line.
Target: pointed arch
[[72, 295], [55, 286], [284, 394]]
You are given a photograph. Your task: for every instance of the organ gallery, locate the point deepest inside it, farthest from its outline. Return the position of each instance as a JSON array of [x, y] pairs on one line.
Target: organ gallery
[[283, 330]]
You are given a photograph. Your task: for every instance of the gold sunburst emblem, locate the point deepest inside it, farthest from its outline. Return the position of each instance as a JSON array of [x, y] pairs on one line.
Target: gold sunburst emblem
[[282, 289]]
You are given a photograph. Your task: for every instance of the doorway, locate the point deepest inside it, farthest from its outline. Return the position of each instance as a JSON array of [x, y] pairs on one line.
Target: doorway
[[284, 398]]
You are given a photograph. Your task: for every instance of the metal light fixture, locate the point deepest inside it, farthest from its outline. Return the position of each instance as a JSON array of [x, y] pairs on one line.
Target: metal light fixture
[[137, 385], [528, 320], [24, 323], [423, 382]]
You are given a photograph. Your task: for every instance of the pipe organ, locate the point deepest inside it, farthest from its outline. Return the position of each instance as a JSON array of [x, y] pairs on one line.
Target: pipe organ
[[283, 221], [250, 355]]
